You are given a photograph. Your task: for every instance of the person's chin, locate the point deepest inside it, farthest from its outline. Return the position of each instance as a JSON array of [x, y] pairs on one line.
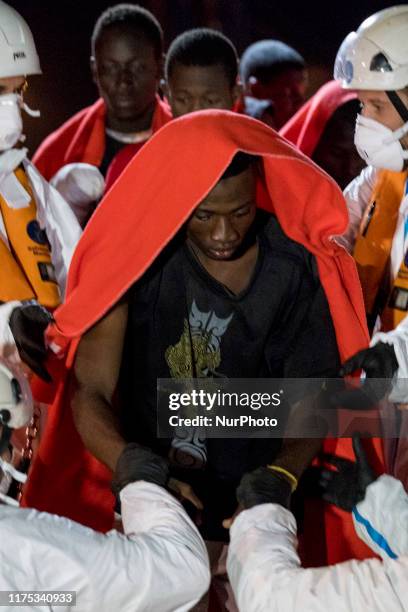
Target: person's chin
[[127, 110]]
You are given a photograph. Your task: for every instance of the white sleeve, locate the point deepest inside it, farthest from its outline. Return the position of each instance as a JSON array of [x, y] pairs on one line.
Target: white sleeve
[[8, 348], [381, 519], [266, 575], [357, 195], [81, 185], [398, 337], [59, 222], [161, 565]]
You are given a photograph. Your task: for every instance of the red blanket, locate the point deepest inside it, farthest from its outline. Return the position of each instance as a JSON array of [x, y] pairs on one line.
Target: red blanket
[[306, 127], [151, 200], [82, 138]]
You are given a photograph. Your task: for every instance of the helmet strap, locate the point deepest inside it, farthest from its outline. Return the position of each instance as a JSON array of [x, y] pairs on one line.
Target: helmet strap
[[398, 104], [5, 438]]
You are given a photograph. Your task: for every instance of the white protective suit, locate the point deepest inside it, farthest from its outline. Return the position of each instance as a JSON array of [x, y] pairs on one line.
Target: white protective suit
[[60, 224], [266, 575], [358, 195], [82, 186], [159, 565]]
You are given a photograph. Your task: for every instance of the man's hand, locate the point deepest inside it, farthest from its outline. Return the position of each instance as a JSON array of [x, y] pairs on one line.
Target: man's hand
[[263, 486], [347, 486], [227, 523], [185, 492], [28, 323], [139, 463]]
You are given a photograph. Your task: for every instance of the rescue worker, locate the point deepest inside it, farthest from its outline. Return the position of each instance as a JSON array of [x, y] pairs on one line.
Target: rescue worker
[[263, 564], [38, 231], [126, 572], [373, 61]]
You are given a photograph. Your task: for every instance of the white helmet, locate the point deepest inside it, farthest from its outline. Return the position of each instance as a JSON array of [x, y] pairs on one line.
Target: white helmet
[[376, 56], [16, 410], [18, 55], [16, 402]]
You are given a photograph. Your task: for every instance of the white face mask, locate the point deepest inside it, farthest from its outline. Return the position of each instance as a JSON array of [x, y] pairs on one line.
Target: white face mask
[[378, 145], [11, 123]]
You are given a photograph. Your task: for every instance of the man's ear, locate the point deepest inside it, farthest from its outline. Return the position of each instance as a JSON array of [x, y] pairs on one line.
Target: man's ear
[[237, 92], [165, 88], [254, 87], [92, 63], [162, 63]]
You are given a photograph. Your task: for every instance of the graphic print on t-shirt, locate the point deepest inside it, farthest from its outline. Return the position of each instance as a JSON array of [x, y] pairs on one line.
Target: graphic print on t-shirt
[[198, 352], [196, 355]]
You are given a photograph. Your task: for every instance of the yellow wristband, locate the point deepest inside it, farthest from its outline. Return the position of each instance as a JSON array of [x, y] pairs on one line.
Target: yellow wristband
[[293, 481]]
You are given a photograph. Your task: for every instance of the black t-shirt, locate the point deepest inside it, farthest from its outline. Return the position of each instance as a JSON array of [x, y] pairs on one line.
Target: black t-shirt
[[112, 148], [183, 323]]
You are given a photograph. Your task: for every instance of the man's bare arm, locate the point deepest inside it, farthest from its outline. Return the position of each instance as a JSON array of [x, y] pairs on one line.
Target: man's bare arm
[[97, 367]]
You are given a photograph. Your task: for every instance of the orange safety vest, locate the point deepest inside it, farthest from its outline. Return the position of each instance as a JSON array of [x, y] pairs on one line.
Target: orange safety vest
[[373, 246], [26, 269]]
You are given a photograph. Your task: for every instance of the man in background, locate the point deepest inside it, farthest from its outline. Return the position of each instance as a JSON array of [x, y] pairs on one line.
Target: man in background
[[126, 65], [273, 72]]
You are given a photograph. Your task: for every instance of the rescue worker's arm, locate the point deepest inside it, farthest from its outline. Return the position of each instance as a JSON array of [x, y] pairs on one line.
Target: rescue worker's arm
[[263, 564], [381, 519], [97, 367], [160, 564], [8, 348], [82, 186], [398, 339], [379, 505], [266, 575], [358, 195]]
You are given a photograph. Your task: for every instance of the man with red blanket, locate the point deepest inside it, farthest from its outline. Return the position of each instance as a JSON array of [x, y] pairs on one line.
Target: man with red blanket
[[201, 72], [282, 292], [126, 64], [323, 129]]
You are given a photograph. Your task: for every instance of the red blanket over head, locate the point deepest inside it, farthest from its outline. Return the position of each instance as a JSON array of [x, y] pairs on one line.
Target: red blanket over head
[[306, 127], [82, 138], [151, 200]]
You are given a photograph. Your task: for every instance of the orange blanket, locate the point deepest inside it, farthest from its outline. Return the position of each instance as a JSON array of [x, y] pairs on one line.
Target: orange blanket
[[151, 200]]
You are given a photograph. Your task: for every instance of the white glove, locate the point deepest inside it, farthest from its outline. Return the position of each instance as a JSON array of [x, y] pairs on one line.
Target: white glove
[[80, 185]]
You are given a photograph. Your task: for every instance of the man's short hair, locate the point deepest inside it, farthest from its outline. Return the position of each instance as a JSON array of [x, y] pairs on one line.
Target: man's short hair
[[266, 59], [130, 16], [203, 47], [240, 162]]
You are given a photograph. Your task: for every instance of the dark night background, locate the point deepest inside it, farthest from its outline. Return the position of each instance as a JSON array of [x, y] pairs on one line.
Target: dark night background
[[62, 31]]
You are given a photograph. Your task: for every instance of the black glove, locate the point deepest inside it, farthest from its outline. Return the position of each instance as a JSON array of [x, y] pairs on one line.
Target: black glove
[[346, 487], [28, 323], [139, 463], [263, 486], [380, 365], [377, 362]]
